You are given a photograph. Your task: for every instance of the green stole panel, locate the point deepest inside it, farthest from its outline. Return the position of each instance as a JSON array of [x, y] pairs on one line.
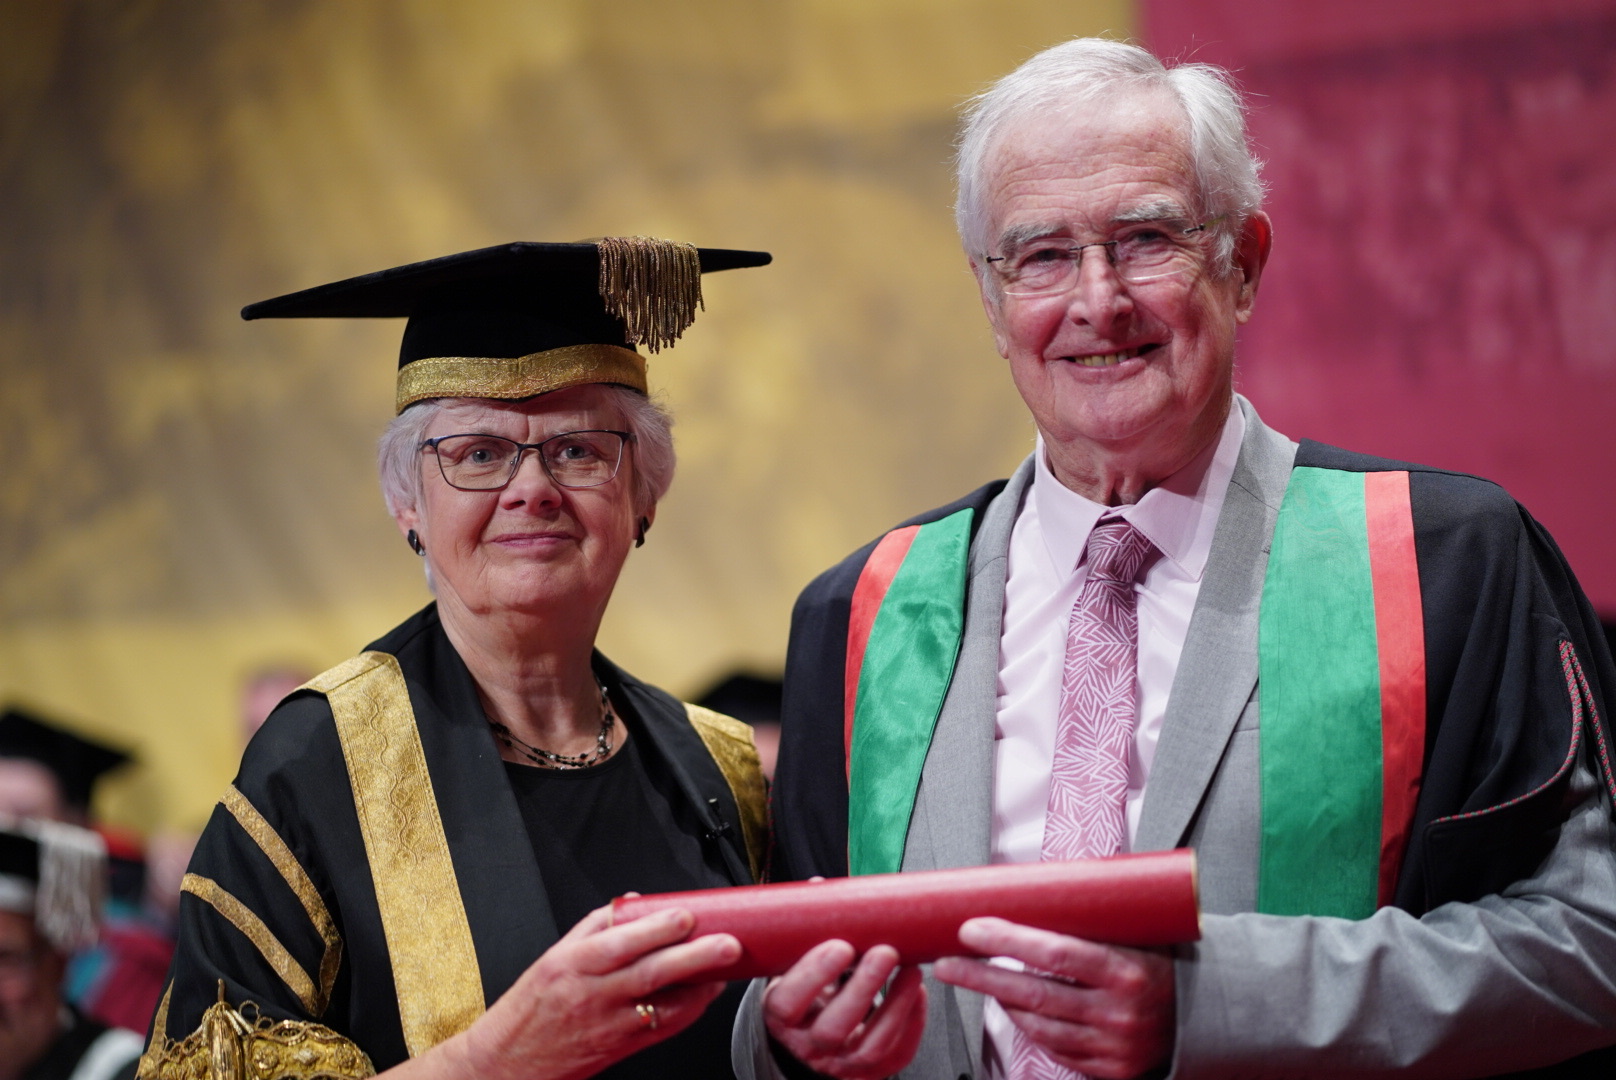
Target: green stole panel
[[907, 619], [1341, 689]]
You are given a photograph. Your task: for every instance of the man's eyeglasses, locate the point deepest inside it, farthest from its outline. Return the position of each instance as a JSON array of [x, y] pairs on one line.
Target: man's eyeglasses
[[1148, 251], [573, 459]]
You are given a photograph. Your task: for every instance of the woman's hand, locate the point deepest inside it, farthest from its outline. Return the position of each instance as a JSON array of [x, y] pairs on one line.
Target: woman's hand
[[822, 1013], [596, 996]]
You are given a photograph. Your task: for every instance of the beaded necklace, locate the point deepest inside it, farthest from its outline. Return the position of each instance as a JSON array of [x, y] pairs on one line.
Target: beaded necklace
[[547, 759]]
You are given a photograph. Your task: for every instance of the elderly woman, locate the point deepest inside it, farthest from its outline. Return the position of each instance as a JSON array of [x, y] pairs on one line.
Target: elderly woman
[[410, 868]]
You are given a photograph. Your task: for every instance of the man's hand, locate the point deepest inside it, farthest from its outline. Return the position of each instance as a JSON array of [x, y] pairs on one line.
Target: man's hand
[[1102, 1010], [822, 1014]]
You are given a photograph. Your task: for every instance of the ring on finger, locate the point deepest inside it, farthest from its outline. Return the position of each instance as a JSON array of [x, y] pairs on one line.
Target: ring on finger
[[1055, 976], [647, 1014]]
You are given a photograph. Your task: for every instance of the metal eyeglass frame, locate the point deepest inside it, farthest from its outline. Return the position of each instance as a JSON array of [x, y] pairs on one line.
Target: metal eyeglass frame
[[624, 437], [1076, 253]]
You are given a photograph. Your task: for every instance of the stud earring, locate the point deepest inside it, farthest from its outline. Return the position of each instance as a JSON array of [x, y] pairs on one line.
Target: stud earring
[[415, 543], [639, 535]]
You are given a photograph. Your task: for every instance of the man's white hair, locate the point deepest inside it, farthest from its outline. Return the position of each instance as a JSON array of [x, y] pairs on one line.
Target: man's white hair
[[398, 455], [1059, 82]]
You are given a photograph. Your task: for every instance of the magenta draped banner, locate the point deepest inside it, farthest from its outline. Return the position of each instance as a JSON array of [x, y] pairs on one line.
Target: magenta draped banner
[[1443, 287]]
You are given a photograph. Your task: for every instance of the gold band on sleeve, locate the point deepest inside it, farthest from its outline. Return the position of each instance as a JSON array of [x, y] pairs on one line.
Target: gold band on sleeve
[[275, 849], [435, 969], [730, 743], [268, 945], [520, 376]]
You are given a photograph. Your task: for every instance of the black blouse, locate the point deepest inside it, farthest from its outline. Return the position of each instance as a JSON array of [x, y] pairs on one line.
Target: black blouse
[[613, 828]]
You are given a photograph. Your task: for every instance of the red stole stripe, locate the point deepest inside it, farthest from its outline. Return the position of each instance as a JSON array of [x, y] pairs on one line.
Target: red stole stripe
[[1400, 636], [874, 580]]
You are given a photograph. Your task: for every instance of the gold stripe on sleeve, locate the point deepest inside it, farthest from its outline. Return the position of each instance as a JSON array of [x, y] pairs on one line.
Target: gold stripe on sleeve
[[435, 969], [275, 849], [730, 743], [242, 918]]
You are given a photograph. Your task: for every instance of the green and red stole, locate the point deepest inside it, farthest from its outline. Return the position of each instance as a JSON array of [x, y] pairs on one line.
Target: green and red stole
[[1341, 677], [1341, 662], [903, 637]]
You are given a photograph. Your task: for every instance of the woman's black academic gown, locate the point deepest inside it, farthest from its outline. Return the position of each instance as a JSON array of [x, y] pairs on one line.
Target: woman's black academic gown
[[378, 870]]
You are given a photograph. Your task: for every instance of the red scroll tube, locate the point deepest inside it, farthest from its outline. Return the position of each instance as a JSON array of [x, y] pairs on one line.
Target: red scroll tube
[[1146, 899]]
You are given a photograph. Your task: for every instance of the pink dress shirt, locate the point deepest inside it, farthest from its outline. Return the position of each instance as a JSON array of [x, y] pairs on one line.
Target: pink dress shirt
[[1046, 544]]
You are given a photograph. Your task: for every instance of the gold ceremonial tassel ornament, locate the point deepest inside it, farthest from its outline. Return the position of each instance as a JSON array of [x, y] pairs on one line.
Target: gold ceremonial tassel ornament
[[652, 285], [229, 1046]]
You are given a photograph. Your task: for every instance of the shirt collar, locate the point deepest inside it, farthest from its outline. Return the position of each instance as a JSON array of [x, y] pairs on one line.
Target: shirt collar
[[1179, 515]]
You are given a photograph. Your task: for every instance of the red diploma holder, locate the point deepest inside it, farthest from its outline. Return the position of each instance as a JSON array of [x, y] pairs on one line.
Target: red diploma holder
[[1140, 900]]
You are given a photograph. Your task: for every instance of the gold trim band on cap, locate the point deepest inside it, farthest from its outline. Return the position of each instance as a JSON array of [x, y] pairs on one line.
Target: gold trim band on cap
[[520, 376]]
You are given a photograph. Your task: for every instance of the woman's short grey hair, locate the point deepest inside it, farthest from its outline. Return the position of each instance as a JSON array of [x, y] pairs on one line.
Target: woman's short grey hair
[[398, 456], [1061, 79]]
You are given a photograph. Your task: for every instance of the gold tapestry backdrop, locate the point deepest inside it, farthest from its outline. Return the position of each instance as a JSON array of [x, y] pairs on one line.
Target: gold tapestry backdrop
[[185, 497]]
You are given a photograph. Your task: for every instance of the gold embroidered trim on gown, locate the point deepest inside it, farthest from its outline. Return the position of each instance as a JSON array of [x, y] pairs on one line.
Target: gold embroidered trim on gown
[[435, 969], [276, 851], [230, 1045], [730, 743], [159, 1027]]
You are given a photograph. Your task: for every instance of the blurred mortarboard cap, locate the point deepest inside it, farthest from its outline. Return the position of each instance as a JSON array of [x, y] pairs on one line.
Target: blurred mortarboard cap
[[76, 761], [522, 319], [753, 699], [55, 873]]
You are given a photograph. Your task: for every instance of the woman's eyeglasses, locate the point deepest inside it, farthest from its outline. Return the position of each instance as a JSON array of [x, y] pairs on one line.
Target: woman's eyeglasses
[[573, 459]]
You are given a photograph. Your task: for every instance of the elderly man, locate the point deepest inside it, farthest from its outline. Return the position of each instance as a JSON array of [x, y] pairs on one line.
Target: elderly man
[[1369, 694]]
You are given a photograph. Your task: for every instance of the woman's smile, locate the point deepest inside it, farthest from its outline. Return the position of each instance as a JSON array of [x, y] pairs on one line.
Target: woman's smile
[[534, 539]]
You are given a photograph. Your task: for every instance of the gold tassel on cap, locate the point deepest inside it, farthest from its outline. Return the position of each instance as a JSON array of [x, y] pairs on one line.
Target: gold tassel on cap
[[652, 285]]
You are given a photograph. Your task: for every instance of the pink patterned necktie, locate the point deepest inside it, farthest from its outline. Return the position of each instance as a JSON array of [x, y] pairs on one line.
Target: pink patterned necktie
[[1088, 790]]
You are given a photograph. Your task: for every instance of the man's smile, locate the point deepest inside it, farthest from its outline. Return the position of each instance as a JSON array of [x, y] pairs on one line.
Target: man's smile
[[1111, 359]]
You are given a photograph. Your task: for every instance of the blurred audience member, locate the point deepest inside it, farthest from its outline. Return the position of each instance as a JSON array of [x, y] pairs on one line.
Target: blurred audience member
[[263, 690], [51, 879], [168, 853], [119, 979], [755, 700], [47, 772]]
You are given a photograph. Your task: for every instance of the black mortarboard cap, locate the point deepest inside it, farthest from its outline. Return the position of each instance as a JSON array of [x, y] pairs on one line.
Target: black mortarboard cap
[[525, 318], [77, 762], [754, 699]]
